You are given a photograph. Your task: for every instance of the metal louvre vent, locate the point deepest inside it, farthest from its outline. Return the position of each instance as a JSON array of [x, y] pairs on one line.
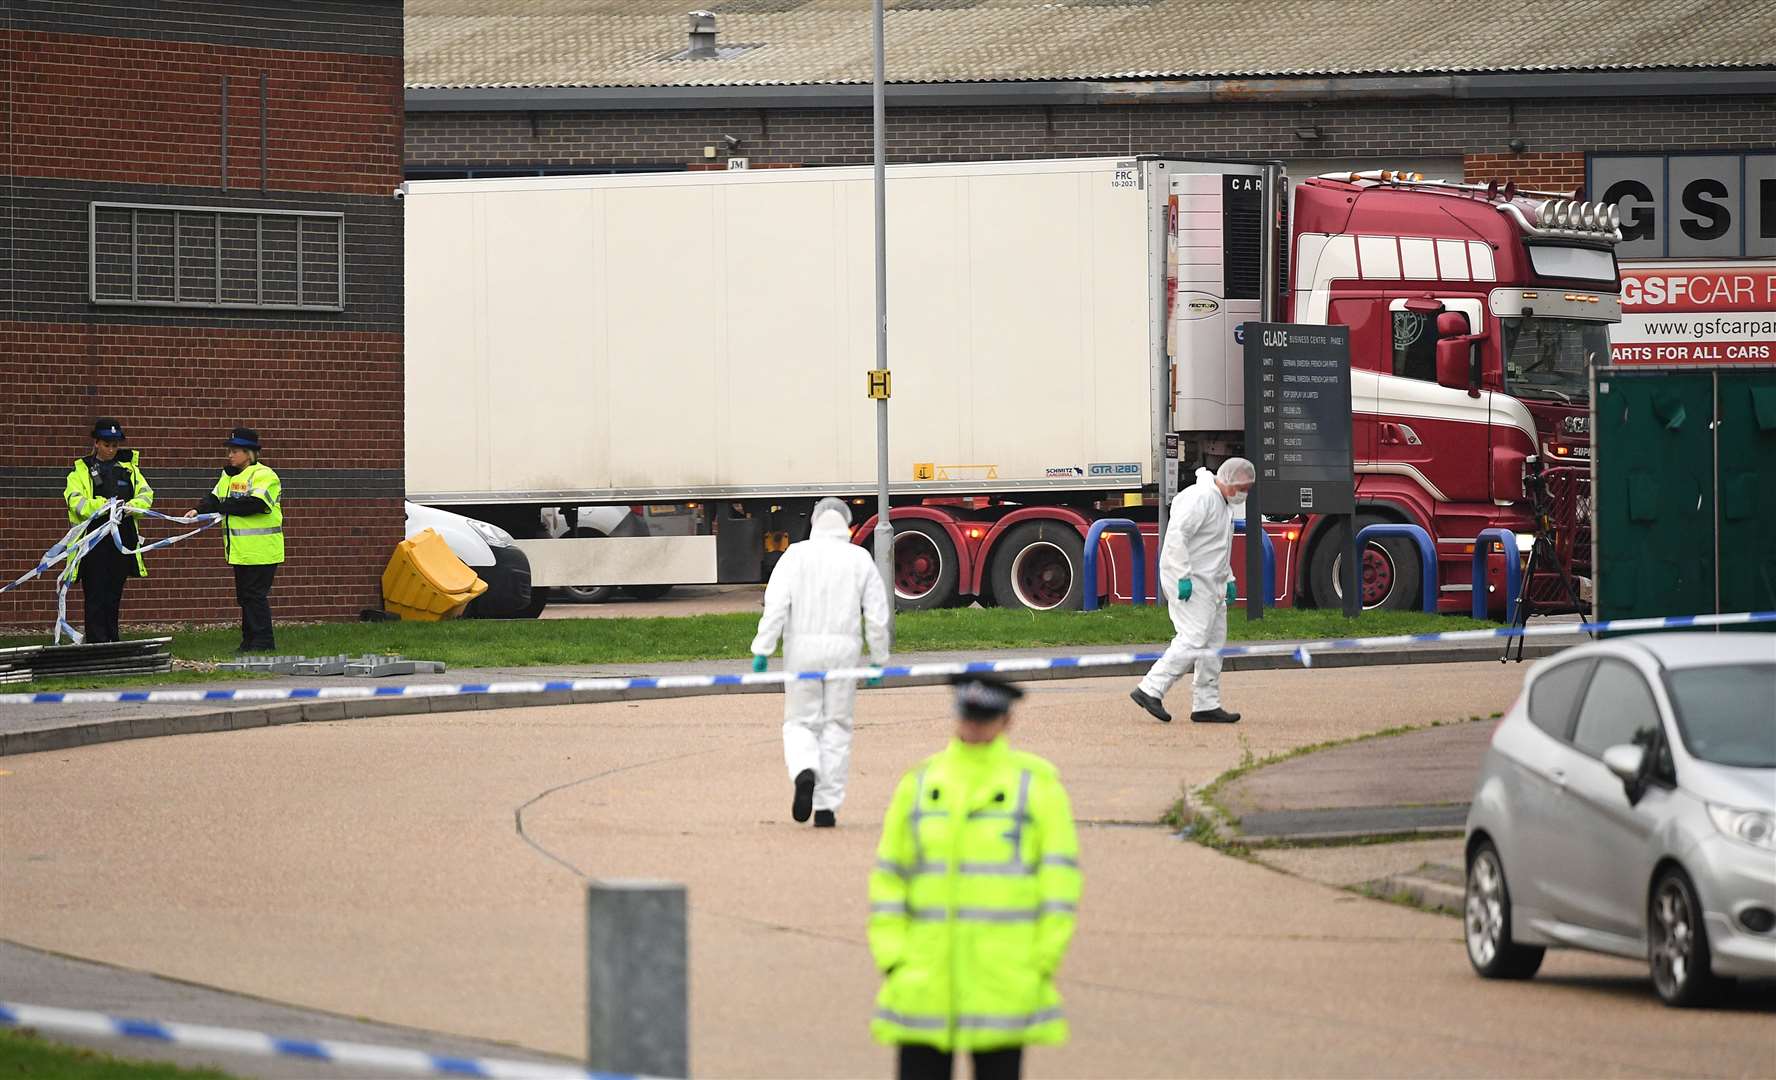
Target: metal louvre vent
[[1242, 227], [144, 255]]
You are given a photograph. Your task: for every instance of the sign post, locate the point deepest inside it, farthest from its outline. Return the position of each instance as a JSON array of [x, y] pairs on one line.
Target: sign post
[[1298, 434]]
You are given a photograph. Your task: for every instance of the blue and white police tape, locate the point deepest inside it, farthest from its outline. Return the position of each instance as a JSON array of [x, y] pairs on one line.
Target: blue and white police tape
[[235, 1040], [1303, 652], [73, 550]]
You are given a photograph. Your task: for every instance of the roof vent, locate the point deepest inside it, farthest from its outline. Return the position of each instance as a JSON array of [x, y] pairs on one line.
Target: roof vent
[[702, 36]]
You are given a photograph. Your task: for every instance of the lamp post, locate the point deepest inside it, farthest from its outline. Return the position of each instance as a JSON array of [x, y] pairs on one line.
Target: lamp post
[[884, 528]]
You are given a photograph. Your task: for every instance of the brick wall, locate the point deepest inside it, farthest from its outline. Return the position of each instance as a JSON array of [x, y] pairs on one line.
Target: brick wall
[[1563, 172], [130, 111], [122, 102], [843, 136]]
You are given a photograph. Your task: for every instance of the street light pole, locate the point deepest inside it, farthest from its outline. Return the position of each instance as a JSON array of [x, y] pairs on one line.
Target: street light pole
[[884, 528]]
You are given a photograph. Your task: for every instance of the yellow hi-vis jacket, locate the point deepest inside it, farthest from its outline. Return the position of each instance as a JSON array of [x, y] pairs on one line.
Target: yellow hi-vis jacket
[[253, 539], [77, 492], [972, 901]]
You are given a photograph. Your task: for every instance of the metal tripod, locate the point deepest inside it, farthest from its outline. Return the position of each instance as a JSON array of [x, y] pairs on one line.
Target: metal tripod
[[1542, 551]]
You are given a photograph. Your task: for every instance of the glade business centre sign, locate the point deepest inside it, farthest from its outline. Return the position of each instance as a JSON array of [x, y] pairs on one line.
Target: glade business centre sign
[[1685, 206]]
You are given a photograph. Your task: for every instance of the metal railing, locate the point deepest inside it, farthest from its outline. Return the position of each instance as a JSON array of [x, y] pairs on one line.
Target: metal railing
[[1093, 537]]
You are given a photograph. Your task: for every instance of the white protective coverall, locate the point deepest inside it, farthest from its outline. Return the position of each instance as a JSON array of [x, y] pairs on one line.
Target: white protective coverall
[[1198, 546], [816, 593]]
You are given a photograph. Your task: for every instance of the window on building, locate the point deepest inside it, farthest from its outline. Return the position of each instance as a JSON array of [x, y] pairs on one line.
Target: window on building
[[212, 257]]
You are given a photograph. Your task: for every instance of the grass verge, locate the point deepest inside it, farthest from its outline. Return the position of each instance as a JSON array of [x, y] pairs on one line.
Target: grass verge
[[1211, 824], [23, 1054]]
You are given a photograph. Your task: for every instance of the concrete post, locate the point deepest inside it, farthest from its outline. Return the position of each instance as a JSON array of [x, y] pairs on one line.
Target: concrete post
[[637, 978]]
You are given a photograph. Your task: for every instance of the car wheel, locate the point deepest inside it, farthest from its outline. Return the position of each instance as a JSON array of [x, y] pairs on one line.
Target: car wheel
[[539, 599], [647, 592], [1677, 943], [1486, 921], [586, 594]]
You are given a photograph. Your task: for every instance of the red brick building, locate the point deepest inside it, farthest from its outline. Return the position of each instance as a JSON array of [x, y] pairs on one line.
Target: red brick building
[[200, 232]]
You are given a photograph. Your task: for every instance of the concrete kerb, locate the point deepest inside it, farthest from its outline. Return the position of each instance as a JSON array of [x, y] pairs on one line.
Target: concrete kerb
[[65, 735]]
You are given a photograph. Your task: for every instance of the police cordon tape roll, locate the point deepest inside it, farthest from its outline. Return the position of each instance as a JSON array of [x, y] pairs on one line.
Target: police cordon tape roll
[[1303, 652], [239, 1041], [72, 550]]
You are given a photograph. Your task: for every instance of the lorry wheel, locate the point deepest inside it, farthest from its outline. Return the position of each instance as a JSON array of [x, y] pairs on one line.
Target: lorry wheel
[[1390, 575], [925, 569], [647, 592], [1040, 567]]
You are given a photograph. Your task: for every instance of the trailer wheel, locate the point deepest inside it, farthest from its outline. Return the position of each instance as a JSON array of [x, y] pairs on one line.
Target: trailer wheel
[[1040, 567], [925, 569], [1389, 576]]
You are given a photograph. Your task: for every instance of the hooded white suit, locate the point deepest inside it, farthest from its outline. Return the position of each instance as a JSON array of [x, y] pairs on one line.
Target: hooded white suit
[[1198, 546], [816, 593]]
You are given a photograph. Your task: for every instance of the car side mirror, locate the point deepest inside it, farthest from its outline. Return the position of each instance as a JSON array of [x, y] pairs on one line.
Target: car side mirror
[[1626, 762]]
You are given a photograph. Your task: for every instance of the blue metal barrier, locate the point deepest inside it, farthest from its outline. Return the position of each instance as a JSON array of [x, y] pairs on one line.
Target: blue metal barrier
[[1270, 561], [1092, 537], [1513, 572], [1427, 555]]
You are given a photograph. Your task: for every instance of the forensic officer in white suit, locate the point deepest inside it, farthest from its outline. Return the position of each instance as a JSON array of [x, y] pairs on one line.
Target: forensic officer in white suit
[[817, 592], [1196, 565]]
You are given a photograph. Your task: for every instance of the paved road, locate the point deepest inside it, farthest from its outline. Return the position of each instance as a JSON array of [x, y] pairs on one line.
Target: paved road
[[371, 868]]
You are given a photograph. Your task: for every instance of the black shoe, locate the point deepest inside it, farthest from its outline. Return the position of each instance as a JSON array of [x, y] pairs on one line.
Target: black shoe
[[1151, 704], [824, 819], [1216, 715], [804, 796]]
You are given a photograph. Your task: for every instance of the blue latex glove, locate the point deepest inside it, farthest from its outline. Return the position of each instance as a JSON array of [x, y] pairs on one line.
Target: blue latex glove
[[758, 663], [1232, 592], [1184, 588]]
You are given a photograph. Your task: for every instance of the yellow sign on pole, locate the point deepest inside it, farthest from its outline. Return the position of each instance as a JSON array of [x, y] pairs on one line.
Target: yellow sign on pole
[[881, 384]]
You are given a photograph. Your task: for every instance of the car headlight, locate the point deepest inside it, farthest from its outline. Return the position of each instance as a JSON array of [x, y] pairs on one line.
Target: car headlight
[[493, 534], [1754, 827]]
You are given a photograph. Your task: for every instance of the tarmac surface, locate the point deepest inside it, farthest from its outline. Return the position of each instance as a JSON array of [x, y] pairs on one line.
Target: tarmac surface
[[428, 872]]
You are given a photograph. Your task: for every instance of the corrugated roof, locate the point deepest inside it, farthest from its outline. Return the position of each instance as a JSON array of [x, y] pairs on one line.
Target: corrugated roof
[[615, 43]]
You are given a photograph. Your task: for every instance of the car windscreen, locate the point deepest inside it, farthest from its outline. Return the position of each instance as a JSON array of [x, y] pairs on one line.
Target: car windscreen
[[1726, 713]]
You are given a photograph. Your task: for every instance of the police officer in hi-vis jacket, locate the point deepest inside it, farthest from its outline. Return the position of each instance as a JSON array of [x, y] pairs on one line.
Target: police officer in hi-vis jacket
[[109, 472], [249, 497], [973, 898]]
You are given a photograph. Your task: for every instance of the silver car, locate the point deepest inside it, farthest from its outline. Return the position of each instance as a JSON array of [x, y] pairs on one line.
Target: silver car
[[1628, 806]]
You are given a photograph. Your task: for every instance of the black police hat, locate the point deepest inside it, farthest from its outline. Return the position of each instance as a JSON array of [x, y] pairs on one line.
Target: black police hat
[[107, 427], [983, 697], [244, 437]]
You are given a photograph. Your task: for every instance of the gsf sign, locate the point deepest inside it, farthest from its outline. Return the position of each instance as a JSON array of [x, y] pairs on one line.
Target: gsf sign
[[1687, 205]]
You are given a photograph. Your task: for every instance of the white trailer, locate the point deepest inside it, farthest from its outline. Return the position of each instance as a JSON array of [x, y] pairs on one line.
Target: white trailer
[[701, 340]]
